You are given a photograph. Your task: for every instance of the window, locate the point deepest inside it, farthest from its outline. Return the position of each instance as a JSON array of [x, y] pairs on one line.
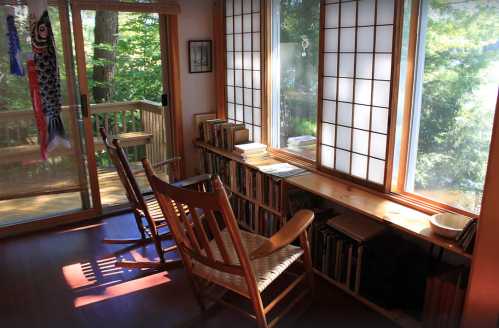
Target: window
[[243, 44], [356, 88], [453, 102], [295, 55]]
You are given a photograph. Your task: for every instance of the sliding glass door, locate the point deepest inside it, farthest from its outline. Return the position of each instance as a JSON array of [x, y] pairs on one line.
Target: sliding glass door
[[32, 187], [118, 51], [122, 75]]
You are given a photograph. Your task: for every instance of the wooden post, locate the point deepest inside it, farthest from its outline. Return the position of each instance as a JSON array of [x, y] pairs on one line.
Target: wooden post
[[482, 300]]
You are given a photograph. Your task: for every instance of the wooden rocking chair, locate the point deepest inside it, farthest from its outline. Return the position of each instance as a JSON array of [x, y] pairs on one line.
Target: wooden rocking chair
[[145, 207], [214, 249]]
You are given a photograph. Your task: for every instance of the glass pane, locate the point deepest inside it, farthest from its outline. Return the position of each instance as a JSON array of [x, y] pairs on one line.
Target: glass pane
[[330, 64], [346, 65], [331, 40], [342, 161], [328, 134], [348, 13], [376, 170], [366, 12], [332, 14], [327, 157], [457, 85], [364, 67], [359, 166], [360, 141], [329, 111], [385, 12], [25, 177], [294, 117]]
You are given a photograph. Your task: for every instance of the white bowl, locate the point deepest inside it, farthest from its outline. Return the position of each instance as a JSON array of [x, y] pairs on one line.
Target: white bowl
[[448, 225]]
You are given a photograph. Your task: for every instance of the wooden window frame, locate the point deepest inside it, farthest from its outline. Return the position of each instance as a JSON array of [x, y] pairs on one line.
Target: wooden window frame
[[392, 112], [387, 190], [398, 191]]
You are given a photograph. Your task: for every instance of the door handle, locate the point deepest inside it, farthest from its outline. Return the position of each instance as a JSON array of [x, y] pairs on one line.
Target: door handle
[[84, 106], [164, 100]]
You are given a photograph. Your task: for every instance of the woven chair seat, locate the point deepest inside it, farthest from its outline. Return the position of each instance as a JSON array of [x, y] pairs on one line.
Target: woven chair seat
[[266, 269], [155, 210]]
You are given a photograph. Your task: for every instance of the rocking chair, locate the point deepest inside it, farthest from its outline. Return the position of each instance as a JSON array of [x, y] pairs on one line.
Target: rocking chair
[[145, 207], [216, 252]]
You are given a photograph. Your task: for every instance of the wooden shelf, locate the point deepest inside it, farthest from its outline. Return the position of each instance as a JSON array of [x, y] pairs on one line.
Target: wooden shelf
[[395, 215], [400, 318]]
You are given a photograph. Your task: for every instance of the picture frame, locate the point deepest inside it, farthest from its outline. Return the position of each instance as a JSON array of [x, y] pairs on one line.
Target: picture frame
[[200, 56]]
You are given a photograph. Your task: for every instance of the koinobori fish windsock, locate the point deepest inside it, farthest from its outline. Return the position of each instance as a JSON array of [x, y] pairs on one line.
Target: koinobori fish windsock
[[16, 66], [47, 73]]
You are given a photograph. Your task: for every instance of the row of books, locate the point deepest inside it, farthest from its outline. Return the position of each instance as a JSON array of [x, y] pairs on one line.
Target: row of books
[[244, 212], [271, 191], [336, 255], [444, 298], [269, 223], [223, 134], [338, 246], [466, 238], [214, 164], [246, 181]]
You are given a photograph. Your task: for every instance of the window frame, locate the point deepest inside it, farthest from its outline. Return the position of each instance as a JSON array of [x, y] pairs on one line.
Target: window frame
[[398, 190], [393, 99], [391, 189]]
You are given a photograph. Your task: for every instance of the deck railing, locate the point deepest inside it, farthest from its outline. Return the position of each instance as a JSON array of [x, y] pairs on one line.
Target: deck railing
[[140, 123]]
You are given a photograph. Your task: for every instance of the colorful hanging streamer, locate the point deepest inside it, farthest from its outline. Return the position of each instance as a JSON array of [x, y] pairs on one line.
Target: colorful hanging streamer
[[37, 107], [48, 86], [16, 66]]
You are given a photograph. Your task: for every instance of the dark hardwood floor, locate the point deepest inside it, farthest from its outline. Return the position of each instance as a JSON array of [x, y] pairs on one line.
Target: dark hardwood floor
[[67, 278]]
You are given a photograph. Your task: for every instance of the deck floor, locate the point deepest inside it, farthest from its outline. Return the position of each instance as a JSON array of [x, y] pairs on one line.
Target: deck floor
[[31, 208], [66, 278]]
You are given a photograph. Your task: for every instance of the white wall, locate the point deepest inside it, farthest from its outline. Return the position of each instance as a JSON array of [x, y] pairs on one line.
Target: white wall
[[198, 90]]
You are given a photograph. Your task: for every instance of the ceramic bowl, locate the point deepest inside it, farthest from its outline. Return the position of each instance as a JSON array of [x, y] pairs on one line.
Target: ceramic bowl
[[448, 225]]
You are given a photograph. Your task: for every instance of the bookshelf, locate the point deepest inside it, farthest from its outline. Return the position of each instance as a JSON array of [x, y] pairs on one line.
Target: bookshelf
[[257, 198], [260, 213]]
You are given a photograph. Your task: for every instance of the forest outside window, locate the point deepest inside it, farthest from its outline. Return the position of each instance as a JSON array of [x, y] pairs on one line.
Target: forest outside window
[[295, 55], [453, 101]]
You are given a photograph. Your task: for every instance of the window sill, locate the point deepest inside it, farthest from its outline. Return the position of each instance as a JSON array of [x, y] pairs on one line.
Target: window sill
[[389, 208]]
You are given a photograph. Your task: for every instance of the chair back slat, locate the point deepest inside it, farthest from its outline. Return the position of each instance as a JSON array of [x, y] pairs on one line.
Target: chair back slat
[[215, 230], [188, 227], [213, 205], [201, 232], [114, 155]]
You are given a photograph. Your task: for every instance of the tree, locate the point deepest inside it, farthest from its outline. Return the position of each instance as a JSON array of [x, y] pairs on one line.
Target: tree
[[105, 39], [461, 46]]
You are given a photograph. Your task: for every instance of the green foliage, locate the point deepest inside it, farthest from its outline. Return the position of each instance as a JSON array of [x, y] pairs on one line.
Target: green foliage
[[299, 26], [455, 124]]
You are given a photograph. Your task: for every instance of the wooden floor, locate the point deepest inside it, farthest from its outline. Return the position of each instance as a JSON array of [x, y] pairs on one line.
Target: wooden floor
[[29, 208], [66, 278]]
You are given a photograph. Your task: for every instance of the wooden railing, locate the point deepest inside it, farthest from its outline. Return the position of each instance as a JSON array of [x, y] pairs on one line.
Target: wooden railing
[[142, 123]]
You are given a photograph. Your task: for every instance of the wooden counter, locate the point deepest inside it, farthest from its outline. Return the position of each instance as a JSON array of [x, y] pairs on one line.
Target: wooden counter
[[393, 214]]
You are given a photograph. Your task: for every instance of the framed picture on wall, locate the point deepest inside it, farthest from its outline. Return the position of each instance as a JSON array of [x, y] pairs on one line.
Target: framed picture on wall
[[200, 56]]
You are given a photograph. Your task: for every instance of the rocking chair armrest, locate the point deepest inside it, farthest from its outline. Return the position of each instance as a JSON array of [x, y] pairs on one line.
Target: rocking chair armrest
[[192, 181], [287, 234], [166, 162]]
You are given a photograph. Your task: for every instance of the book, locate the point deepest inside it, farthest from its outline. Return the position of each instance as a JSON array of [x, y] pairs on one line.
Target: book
[[250, 148], [357, 227], [282, 170], [301, 141]]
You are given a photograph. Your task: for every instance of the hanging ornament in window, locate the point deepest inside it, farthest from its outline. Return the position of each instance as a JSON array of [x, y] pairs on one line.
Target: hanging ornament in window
[[44, 79], [305, 44]]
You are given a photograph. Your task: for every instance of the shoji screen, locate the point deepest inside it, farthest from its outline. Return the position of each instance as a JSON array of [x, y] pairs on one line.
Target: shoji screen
[[357, 64], [243, 64]]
